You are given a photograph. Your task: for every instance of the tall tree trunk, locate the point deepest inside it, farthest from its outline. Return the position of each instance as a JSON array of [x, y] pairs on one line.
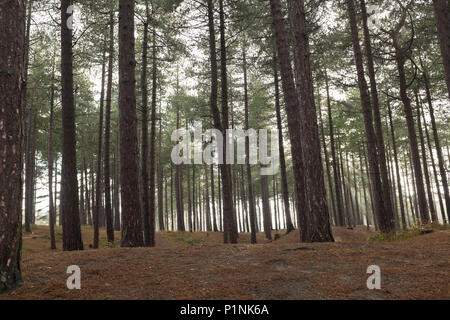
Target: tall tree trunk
[[433, 164], [363, 181], [69, 184], [414, 187], [28, 122], [106, 160], [244, 201], [434, 217], [340, 221], [375, 222], [194, 201], [377, 115], [171, 199], [284, 184], [267, 216], [442, 18], [56, 187], [178, 179], [292, 110], [160, 180], [98, 181], [316, 218], [92, 178], [144, 137], [221, 124], [437, 143], [392, 185], [219, 193], [167, 205], [384, 219], [152, 205], [131, 211], [351, 208], [190, 225], [51, 206], [275, 203], [207, 203], [355, 186], [34, 180], [87, 198], [82, 200], [230, 223], [12, 37], [327, 163], [30, 170], [213, 199], [116, 192], [409, 195], [397, 169], [345, 202], [400, 57], [251, 198], [200, 209]]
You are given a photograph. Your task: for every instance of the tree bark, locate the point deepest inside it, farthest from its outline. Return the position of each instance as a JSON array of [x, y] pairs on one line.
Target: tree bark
[[207, 204], [144, 130], [267, 216], [244, 201], [213, 199], [327, 164], [432, 208], [86, 196], [92, 178], [442, 18], [171, 199], [292, 110], [251, 198], [107, 148], [152, 192], [397, 169], [400, 58], [116, 191], [160, 181], [384, 219], [377, 115], [437, 143], [69, 184], [28, 119], [98, 181], [230, 223], [284, 183], [12, 38], [131, 211], [51, 207], [30, 170], [435, 173], [178, 180], [221, 124], [340, 221], [363, 181], [316, 218]]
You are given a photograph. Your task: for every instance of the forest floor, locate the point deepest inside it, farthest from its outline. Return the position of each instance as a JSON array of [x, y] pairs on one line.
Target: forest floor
[[199, 266]]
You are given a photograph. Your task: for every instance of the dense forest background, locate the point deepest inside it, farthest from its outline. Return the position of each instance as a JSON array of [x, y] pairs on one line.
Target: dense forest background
[[173, 79], [93, 91]]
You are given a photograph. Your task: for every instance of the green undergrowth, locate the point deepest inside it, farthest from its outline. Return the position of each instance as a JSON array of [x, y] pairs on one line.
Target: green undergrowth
[[186, 238], [413, 232]]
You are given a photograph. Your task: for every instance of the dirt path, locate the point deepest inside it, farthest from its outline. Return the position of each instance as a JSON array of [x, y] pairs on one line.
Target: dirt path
[[413, 269]]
